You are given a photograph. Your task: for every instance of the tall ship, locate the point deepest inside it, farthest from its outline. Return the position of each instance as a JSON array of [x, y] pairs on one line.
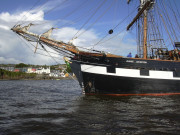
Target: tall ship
[[155, 70]]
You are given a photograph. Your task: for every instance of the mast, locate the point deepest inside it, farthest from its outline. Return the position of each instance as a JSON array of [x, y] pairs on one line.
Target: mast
[[143, 10], [145, 33]]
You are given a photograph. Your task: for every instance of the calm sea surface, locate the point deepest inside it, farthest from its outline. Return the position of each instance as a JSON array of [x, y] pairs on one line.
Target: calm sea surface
[[51, 107]]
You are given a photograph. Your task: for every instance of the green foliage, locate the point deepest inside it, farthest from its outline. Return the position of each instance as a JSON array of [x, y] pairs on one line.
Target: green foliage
[[53, 67], [21, 65], [4, 74]]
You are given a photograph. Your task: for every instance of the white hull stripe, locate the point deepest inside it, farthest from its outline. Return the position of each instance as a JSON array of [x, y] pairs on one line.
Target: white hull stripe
[[128, 72]]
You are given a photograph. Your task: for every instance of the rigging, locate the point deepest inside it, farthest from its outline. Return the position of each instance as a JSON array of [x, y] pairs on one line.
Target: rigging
[[114, 29], [97, 19], [28, 12], [90, 17]]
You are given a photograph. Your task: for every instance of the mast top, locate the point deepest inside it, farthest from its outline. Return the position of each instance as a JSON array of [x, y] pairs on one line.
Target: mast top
[[145, 5]]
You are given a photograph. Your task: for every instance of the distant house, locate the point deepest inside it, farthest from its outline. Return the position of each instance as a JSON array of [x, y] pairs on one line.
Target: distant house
[[31, 70], [7, 68], [21, 69], [42, 70], [13, 69], [16, 70], [24, 69], [56, 73]]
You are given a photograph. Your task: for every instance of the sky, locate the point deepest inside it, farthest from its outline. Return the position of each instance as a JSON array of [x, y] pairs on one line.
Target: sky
[[69, 17]]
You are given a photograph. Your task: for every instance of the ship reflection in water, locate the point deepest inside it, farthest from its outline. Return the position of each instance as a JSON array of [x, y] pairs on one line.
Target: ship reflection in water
[[57, 107]]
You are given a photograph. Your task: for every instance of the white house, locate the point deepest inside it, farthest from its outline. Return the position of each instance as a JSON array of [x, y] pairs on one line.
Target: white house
[[43, 70], [31, 70], [57, 73]]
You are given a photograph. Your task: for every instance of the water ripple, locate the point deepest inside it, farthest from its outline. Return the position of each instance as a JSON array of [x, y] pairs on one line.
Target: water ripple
[[57, 107]]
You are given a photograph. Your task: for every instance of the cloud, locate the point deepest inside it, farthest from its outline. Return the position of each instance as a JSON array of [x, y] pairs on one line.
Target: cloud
[[9, 60], [116, 45], [120, 48], [4, 27], [53, 5], [14, 49], [67, 33], [21, 17]]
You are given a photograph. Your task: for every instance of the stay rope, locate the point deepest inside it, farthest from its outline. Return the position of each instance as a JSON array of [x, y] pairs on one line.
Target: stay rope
[[103, 2], [49, 55], [28, 11], [113, 29], [97, 19]]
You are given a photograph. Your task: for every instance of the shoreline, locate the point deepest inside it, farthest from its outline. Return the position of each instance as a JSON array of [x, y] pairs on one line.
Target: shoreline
[[61, 78]]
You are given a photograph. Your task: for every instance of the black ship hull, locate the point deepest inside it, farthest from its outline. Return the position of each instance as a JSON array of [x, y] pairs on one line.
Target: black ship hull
[[126, 76], [99, 72]]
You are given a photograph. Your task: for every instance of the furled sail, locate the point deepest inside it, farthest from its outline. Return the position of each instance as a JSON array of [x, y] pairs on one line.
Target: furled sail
[[68, 49]]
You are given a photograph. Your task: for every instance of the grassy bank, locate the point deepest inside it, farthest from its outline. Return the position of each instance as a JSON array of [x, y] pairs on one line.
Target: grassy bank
[[8, 75]]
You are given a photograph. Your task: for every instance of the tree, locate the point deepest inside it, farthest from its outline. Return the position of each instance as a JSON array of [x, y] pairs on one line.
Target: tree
[[21, 65]]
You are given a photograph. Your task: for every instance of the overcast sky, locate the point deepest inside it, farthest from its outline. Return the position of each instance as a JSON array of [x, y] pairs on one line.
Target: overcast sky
[[68, 16]]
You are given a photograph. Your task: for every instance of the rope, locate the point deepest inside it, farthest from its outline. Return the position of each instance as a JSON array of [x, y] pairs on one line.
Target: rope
[[34, 46], [55, 7], [114, 28], [45, 13], [28, 11], [115, 36], [76, 9], [39, 9], [165, 27], [59, 63], [173, 31], [80, 17], [48, 56], [176, 7], [97, 19], [170, 6], [90, 17]]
